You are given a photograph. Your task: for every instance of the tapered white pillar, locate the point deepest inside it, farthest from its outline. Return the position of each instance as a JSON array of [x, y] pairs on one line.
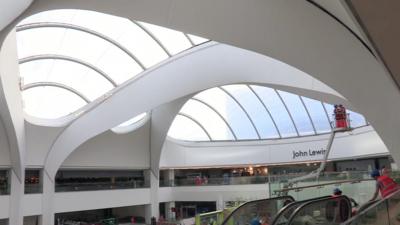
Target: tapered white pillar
[[16, 198], [152, 210], [48, 200]]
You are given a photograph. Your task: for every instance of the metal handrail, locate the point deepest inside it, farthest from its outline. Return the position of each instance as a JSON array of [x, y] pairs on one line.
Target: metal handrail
[[290, 205], [226, 220], [321, 185], [296, 211], [374, 205]]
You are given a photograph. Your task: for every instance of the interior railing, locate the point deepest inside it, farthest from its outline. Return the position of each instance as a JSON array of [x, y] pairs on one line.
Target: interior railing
[[383, 212], [262, 211], [331, 210]]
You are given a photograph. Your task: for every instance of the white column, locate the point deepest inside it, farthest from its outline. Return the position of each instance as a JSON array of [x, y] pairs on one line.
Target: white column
[[169, 176], [152, 210], [16, 197], [48, 200], [169, 215], [220, 203]]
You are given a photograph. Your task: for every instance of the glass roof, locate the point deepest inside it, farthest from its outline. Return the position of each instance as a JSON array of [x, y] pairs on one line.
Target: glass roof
[[69, 58], [251, 112]]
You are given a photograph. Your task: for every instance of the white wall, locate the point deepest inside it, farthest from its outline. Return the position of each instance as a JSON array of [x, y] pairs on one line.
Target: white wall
[[4, 147], [4, 206], [87, 200], [32, 204], [111, 150], [214, 193], [361, 142], [38, 142]]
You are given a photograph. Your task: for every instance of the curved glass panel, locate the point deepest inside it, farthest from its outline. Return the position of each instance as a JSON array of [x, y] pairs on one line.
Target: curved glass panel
[[221, 108], [144, 47], [183, 128], [356, 119], [77, 44], [298, 112], [230, 110], [118, 47], [74, 75], [174, 41], [38, 100], [329, 109], [277, 109], [253, 106], [212, 123], [318, 115]]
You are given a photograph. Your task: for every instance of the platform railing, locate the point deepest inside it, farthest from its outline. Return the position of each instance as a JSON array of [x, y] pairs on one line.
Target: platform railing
[[215, 181], [276, 181], [383, 212], [93, 186], [360, 189]]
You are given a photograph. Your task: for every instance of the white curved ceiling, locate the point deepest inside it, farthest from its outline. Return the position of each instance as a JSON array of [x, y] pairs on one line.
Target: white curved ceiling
[[253, 112], [184, 74], [301, 35], [69, 58]]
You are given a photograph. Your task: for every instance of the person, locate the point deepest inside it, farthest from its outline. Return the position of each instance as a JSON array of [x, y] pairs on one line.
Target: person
[[337, 192], [264, 220], [384, 171], [197, 180], [384, 185], [255, 221], [340, 116], [205, 180]]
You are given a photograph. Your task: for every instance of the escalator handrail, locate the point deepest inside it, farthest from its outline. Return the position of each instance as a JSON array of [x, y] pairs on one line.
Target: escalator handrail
[[293, 216], [374, 205], [283, 210], [250, 202]]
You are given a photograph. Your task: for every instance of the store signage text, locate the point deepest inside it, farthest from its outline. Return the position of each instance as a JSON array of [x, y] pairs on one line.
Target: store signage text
[[309, 153]]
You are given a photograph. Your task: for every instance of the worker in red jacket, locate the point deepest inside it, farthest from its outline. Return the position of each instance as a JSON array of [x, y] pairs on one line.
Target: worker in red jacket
[[384, 184]]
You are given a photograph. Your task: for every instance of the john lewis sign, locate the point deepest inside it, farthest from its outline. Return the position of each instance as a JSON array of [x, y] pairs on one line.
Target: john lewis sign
[[309, 153]]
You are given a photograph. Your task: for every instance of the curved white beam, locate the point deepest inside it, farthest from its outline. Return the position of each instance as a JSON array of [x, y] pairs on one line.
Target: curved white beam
[[187, 73], [307, 38]]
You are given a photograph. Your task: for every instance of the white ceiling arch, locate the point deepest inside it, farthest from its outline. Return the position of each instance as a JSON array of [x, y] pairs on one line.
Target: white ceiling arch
[[182, 75], [295, 32]]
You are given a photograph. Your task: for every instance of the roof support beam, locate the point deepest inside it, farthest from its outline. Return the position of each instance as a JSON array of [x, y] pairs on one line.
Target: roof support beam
[[68, 58], [244, 110], [152, 37], [287, 109], [196, 122], [58, 85], [308, 114], [266, 109], [219, 114], [327, 115], [83, 29]]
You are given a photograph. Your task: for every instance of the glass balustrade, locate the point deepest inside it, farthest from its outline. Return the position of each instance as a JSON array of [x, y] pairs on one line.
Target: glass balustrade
[[4, 182], [383, 212], [70, 180]]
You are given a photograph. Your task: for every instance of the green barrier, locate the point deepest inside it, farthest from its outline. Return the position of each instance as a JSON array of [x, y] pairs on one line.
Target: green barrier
[[213, 218], [109, 221]]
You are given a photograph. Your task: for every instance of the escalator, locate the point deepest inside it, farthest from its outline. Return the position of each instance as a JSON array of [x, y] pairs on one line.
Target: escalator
[[285, 210], [325, 210], [257, 210], [283, 216]]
